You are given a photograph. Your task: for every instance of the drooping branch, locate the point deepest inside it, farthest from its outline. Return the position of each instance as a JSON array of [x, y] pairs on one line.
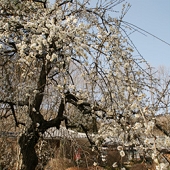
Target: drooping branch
[[84, 106], [86, 132], [11, 104], [65, 2], [13, 112], [162, 129]]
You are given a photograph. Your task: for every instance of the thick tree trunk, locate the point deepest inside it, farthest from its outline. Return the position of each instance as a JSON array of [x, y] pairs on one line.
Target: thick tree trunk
[[27, 144]]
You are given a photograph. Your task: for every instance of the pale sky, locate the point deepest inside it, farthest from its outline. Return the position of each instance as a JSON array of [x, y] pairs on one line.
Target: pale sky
[[154, 17]]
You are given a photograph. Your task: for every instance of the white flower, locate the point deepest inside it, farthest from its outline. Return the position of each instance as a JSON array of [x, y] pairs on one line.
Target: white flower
[[151, 124], [37, 124], [80, 102], [33, 109], [74, 20], [68, 58], [71, 86], [54, 56], [6, 26], [134, 106], [122, 153], [103, 159], [119, 148], [123, 168], [123, 53], [48, 57], [35, 91], [153, 155], [94, 164], [137, 115], [126, 65], [22, 60], [167, 141], [134, 89], [34, 45], [148, 141], [27, 94], [93, 149], [100, 114], [130, 49], [60, 87], [109, 113], [99, 36], [128, 89], [161, 166], [137, 125], [114, 165]]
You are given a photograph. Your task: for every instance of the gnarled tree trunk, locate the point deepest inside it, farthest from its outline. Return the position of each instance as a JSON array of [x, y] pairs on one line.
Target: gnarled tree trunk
[[27, 144]]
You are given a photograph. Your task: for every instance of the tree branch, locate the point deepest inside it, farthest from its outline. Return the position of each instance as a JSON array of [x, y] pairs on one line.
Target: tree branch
[[41, 85], [11, 104], [65, 2]]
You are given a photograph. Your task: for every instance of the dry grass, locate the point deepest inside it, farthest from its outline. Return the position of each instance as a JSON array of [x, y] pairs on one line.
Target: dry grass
[[8, 153], [76, 168], [143, 166], [58, 164], [90, 168]]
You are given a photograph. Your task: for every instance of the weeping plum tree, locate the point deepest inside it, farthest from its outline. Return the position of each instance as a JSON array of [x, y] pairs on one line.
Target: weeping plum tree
[[73, 55]]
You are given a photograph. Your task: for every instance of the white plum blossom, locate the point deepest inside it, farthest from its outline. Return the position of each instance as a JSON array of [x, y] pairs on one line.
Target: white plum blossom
[[114, 165], [122, 153], [162, 166], [123, 168], [53, 57], [137, 125], [119, 148], [95, 164]]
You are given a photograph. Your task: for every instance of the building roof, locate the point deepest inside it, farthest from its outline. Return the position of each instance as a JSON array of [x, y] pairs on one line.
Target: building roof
[[63, 133]]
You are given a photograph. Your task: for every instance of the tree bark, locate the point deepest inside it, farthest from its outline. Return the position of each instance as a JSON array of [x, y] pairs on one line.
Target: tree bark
[[27, 144], [29, 139]]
